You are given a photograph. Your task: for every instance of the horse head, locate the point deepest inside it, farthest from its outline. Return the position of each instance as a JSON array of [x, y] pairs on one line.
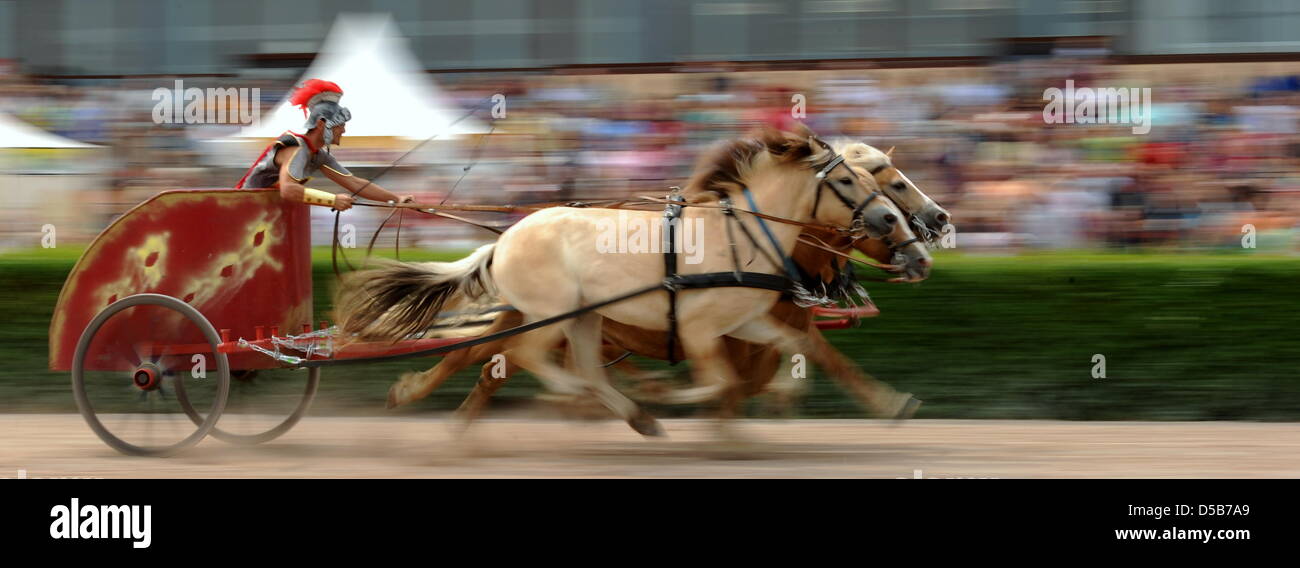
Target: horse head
[[929, 217]]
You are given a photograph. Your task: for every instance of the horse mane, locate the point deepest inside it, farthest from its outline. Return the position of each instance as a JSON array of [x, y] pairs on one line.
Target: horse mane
[[723, 169], [860, 154]]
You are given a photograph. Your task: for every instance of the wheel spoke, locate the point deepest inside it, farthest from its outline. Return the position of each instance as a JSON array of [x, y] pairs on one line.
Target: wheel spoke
[[117, 347]]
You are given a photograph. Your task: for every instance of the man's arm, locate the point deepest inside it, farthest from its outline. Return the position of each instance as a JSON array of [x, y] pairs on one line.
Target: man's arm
[[358, 186], [367, 189], [292, 188]]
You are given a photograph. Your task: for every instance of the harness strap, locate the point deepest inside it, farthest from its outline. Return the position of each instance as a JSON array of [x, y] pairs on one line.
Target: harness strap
[[760, 280], [671, 213], [787, 264], [896, 246], [821, 179], [731, 238], [757, 246], [817, 243]]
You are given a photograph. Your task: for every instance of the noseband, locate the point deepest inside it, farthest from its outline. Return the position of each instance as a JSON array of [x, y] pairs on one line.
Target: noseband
[[856, 208]]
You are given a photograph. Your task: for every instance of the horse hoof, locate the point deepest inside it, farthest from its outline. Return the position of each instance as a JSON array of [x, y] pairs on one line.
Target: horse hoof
[[908, 409], [392, 401], [646, 425]]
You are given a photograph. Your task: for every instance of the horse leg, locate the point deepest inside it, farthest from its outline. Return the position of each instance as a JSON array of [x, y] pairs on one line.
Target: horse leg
[[414, 386], [585, 343], [417, 385], [488, 384], [874, 395], [710, 368], [880, 398], [783, 386], [533, 353]]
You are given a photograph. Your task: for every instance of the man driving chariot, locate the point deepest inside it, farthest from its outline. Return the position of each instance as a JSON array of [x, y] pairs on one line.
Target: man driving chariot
[[293, 159]]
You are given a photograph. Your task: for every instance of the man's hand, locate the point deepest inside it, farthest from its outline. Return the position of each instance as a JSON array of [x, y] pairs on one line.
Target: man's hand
[[342, 202], [406, 199]]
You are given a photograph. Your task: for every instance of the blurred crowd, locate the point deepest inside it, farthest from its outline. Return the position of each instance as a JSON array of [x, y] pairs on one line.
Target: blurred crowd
[[1219, 156]]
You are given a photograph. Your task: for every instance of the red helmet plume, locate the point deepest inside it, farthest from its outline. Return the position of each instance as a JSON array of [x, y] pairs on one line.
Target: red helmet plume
[[313, 91]]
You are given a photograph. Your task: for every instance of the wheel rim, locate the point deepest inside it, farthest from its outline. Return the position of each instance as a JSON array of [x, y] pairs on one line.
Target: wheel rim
[[132, 359], [263, 407]]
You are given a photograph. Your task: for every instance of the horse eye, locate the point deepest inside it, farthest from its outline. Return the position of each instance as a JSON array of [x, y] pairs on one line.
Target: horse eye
[[845, 180], [900, 186]]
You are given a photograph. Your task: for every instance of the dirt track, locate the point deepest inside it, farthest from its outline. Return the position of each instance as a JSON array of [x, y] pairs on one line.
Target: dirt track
[[62, 445]]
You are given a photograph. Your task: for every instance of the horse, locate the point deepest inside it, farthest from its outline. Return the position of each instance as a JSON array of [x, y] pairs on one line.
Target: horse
[[545, 267], [926, 215], [756, 365]]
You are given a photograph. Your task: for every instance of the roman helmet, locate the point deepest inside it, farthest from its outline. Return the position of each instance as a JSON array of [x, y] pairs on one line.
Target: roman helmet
[[320, 100]]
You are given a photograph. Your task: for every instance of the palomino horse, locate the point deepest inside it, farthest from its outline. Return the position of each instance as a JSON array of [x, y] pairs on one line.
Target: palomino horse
[[783, 175], [814, 261], [756, 365], [928, 217]]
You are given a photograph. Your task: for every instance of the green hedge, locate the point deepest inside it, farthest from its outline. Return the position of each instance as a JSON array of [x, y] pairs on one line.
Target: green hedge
[[1185, 338]]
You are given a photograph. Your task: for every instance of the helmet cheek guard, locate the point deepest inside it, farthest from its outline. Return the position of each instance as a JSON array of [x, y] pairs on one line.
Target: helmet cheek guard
[[332, 114]]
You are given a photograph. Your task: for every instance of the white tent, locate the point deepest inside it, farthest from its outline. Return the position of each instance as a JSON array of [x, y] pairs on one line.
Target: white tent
[[383, 84], [49, 174], [15, 133]]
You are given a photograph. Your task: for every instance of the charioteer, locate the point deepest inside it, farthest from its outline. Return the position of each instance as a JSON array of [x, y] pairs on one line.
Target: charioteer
[[291, 161]]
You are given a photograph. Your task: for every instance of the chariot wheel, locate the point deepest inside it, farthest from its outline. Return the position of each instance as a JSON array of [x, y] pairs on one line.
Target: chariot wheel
[[131, 365], [263, 404]]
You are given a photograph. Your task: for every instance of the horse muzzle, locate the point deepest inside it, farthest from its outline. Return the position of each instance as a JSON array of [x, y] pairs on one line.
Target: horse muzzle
[[915, 263], [934, 218]]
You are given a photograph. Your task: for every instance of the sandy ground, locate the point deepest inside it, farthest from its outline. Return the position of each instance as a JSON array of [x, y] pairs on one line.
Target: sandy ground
[[62, 445]]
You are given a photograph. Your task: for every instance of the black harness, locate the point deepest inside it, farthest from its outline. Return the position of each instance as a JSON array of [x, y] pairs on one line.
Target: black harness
[[857, 208], [672, 212], [789, 284]]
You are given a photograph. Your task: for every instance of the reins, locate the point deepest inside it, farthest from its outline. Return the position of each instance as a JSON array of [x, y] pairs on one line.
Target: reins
[[817, 243], [335, 246], [791, 283]]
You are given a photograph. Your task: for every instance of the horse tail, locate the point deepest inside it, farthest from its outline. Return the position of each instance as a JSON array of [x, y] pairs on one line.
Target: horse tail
[[398, 299]]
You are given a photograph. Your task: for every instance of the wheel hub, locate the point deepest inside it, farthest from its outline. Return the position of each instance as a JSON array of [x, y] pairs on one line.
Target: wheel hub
[[146, 377]]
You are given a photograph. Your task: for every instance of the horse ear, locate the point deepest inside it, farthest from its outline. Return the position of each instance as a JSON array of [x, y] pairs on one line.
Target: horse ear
[[890, 151], [773, 140], [801, 130]]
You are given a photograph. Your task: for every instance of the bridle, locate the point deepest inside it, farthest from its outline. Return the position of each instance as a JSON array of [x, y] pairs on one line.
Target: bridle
[[923, 231], [824, 183], [858, 230]]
